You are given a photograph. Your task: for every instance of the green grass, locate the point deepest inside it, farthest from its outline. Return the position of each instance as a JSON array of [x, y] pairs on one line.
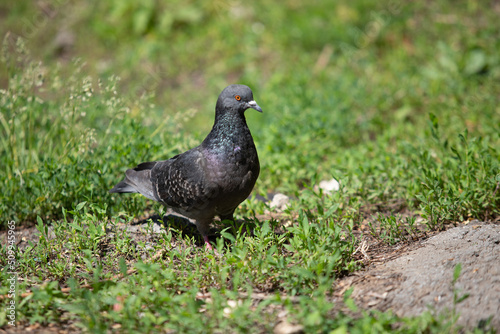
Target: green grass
[[398, 103]]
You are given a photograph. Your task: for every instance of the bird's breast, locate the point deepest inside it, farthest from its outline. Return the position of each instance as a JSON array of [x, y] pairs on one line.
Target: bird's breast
[[233, 164]]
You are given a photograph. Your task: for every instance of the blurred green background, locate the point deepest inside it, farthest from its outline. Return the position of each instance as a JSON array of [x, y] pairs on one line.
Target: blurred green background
[[347, 89]]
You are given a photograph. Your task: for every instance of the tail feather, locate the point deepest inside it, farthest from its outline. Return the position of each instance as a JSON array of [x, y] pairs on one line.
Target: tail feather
[[137, 180], [123, 187]]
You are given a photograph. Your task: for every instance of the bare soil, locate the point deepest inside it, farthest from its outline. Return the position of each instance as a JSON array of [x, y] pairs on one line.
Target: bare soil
[[420, 277]]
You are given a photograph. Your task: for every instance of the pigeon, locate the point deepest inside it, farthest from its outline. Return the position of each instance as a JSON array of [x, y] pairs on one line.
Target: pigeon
[[211, 179]]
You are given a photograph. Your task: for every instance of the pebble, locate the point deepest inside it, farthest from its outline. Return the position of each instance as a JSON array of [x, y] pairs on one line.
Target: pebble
[[329, 187], [280, 202]]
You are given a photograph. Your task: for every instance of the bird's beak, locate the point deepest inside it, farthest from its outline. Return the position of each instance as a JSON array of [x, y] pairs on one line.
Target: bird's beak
[[252, 104]]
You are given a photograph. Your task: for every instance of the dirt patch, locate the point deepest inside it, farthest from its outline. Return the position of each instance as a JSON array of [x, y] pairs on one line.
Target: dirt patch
[[421, 279]]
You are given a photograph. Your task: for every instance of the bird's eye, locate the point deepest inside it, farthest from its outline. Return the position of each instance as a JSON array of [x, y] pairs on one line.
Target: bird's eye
[[237, 97]]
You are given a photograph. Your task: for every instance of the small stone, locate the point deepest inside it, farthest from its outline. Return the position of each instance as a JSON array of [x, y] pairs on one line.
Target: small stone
[[329, 187], [231, 305], [280, 202], [285, 327]]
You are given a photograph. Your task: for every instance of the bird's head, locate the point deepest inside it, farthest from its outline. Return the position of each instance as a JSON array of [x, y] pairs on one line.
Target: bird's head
[[238, 98]]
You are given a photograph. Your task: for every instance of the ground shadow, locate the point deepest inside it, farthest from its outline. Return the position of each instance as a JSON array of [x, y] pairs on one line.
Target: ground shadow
[[184, 226]]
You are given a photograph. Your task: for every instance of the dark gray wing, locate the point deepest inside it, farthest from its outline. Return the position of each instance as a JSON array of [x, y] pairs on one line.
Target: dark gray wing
[[184, 181]]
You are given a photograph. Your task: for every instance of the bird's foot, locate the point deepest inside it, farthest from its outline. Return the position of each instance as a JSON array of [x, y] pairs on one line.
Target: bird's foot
[[209, 245]]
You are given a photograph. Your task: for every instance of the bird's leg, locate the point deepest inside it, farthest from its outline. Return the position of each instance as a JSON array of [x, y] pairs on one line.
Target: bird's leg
[[203, 227], [207, 243]]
